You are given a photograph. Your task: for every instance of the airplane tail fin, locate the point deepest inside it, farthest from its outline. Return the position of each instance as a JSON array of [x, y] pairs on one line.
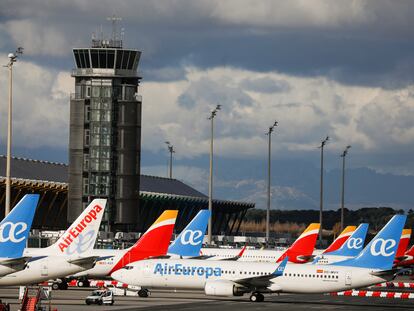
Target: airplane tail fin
[[15, 227], [301, 250], [190, 240], [355, 244], [403, 245], [281, 268], [340, 240], [380, 252], [81, 236], [154, 242]]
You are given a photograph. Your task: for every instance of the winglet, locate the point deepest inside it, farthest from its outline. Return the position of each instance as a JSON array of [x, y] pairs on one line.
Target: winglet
[[281, 268], [242, 251], [190, 240], [15, 227]]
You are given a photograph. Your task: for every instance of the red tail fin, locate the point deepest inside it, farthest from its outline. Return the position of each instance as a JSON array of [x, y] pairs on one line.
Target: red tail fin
[[154, 242], [341, 239], [301, 250], [403, 245]]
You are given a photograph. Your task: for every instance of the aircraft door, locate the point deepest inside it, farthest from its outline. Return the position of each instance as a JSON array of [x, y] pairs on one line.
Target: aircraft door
[[147, 273], [348, 278], [148, 269]]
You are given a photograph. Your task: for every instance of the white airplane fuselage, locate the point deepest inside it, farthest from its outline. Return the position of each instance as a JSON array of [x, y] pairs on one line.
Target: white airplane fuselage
[[195, 274], [330, 259], [42, 270], [250, 255]]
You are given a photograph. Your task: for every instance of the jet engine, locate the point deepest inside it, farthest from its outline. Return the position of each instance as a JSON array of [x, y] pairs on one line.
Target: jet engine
[[224, 288]]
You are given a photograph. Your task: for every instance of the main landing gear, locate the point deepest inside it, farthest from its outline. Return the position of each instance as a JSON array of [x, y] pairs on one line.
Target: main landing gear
[[61, 284], [144, 293], [83, 283], [256, 297]]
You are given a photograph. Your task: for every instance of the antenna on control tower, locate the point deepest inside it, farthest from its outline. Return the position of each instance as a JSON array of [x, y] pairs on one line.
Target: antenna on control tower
[[114, 19]]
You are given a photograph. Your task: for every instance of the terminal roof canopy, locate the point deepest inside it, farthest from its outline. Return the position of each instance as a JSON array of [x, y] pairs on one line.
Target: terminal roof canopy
[[58, 172]]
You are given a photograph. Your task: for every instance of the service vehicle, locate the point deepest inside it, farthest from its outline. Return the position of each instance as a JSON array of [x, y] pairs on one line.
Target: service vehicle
[[100, 296]]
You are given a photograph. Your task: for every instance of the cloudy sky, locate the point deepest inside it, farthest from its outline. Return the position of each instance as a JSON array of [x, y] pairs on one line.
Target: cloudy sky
[[338, 68]]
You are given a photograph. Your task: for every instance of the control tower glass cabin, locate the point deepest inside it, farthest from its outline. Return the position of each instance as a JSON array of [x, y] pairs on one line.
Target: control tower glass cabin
[[105, 133]]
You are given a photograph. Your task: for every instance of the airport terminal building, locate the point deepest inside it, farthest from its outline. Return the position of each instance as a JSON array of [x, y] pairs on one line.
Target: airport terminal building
[[156, 194]]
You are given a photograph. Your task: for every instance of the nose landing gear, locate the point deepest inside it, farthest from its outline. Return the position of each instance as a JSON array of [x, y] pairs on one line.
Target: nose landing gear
[[144, 293]]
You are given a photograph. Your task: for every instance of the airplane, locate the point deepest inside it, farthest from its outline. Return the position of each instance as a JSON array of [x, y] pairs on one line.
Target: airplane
[[351, 248], [299, 252], [153, 243], [67, 256], [223, 278], [262, 255], [186, 245], [14, 231]]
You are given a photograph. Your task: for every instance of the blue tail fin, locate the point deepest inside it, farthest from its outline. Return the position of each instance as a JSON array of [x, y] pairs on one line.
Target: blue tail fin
[[15, 227], [281, 268], [190, 240], [354, 245], [380, 252]]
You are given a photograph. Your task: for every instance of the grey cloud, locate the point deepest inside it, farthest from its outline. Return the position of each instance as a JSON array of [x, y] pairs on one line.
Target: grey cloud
[[212, 92], [165, 74], [357, 43], [265, 85]]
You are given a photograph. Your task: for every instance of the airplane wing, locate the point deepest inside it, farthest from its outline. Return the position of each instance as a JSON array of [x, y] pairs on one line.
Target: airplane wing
[[14, 261], [237, 257], [86, 261], [394, 272], [203, 257], [263, 281]]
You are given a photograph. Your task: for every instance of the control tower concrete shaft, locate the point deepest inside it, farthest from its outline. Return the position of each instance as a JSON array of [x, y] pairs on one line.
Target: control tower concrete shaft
[[105, 132]]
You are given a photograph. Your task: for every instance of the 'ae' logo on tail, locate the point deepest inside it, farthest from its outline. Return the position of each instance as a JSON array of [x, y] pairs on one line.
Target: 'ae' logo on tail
[[383, 247]]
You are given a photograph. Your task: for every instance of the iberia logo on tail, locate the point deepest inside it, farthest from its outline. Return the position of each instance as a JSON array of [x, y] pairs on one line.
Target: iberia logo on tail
[[154, 242], [403, 245], [301, 250], [341, 239]]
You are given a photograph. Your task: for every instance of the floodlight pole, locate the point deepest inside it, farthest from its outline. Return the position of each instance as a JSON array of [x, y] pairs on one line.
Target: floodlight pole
[[323, 143], [171, 150], [210, 184], [12, 60], [343, 155], [269, 134]]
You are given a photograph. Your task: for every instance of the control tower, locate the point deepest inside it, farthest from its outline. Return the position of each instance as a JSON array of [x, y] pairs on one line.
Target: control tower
[[105, 132]]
